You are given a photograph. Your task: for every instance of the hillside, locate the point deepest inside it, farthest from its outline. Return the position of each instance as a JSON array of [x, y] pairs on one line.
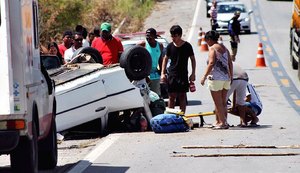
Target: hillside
[[60, 15]]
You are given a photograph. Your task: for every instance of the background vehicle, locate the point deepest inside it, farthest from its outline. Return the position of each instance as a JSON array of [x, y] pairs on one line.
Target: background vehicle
[[209, 3], [226, 11], [28, 106], [294, 37]]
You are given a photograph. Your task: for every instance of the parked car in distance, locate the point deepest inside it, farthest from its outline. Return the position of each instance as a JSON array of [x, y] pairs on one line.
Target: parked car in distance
[[226, 11], [209, 3]]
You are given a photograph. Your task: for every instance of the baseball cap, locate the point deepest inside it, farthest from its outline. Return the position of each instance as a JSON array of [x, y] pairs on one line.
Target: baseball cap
[[151, 31], [105, 27]]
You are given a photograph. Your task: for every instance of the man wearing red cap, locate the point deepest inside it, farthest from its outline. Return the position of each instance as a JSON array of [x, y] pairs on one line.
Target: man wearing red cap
[[109, 47]]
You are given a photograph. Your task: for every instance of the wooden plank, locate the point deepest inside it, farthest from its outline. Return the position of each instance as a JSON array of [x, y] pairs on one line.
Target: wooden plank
[[236, 155], [242, 146]]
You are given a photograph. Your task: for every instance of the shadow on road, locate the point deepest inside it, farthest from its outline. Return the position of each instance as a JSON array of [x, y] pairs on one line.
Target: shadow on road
[[250, 127], [110, 169]]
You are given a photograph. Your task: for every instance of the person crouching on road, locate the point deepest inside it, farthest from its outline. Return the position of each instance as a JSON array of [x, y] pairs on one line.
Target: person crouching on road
[[219, 75], [179, 52], [253, 105], [238, 87], [155, 49]]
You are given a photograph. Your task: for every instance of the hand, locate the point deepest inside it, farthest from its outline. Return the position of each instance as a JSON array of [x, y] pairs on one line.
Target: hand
[[163, 78], [237, 39], [202, 81], [192, 77]]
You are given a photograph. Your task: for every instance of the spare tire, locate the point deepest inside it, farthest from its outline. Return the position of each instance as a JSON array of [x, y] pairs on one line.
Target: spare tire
[[90, 51], [137, 62]]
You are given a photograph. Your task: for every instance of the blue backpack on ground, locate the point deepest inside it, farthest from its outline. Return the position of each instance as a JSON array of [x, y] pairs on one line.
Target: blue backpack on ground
[[168, 123]]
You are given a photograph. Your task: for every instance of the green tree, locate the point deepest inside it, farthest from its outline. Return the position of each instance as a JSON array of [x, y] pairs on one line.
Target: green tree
[[59, 15]]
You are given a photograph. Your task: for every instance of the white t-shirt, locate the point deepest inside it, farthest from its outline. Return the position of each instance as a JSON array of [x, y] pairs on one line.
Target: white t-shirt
[[255, 99], [85, 43], [69, 53]]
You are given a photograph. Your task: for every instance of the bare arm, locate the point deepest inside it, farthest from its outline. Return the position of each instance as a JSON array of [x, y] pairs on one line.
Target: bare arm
[[230, 66], [193, 63], [142, 43], [164, 69], [160, 60], [211, 61]]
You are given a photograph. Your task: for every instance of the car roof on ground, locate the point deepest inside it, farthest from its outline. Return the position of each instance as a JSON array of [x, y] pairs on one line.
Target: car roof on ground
[[135, 38]]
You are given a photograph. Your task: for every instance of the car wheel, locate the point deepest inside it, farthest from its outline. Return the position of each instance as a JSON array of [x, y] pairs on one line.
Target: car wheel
[[90, 51], [137, 62]]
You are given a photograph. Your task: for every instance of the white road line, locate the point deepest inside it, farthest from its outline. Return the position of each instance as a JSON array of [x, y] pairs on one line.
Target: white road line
[[94, 154], [194, 21]]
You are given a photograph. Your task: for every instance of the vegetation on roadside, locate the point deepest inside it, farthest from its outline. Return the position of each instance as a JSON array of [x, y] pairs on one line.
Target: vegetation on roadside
[[60, 15]]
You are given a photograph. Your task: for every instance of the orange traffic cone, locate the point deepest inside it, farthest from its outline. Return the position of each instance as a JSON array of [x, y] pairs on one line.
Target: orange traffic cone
[[203, 46], [200, 33], [260, 59], [199, 40]]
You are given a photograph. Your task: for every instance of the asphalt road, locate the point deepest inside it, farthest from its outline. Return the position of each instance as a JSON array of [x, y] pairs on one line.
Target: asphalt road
[[276, 84]]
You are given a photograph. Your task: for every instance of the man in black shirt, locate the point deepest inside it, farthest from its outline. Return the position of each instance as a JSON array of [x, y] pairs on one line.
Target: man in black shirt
[[234, 28], [179, 52]]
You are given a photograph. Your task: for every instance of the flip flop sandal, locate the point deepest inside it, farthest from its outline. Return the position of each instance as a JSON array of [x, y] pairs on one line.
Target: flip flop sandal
[[220, 127]]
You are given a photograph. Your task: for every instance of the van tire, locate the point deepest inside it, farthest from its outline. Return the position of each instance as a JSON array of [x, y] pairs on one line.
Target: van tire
[[137, 62], [24, 158], [90, 51], [48, 147]]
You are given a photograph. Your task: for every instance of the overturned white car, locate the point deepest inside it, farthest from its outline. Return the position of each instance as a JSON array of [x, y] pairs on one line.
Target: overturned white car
[[87, 90]]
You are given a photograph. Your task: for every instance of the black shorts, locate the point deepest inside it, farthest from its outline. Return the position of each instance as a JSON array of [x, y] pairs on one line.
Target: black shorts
[[178, 84]]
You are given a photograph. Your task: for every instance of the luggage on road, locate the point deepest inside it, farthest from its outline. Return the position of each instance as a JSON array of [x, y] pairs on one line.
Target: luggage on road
[[168, 123]]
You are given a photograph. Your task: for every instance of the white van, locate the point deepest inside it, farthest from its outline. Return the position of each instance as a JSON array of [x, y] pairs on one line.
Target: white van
[[27, 102]]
